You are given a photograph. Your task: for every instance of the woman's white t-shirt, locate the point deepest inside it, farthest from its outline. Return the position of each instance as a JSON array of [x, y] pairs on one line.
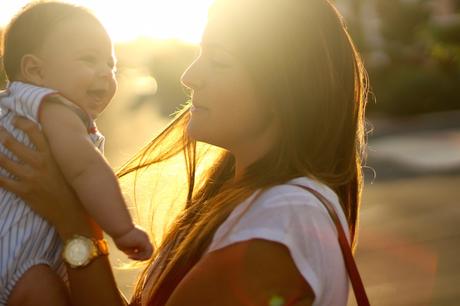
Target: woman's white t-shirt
[[294, 217]]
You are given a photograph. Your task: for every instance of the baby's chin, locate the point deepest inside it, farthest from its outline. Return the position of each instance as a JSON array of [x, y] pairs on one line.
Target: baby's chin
[[92, 113], [89, 107]]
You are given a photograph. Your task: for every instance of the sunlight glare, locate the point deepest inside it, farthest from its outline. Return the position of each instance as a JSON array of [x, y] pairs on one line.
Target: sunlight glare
[[128, 20]]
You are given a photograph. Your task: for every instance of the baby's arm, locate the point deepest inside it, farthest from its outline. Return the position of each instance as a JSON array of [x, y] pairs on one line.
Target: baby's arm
[[85, 168]]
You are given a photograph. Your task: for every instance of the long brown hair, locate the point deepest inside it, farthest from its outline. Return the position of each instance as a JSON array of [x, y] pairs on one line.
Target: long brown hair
[[307, 68]]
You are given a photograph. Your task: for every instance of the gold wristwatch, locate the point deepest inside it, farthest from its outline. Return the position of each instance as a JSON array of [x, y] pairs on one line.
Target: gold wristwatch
[[79, 251]]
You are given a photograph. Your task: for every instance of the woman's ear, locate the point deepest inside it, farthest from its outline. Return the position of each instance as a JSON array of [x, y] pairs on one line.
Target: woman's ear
[[32, 69]]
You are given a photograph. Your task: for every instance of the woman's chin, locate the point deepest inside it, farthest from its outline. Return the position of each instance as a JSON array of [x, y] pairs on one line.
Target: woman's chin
[[199, 133], [195, 132]]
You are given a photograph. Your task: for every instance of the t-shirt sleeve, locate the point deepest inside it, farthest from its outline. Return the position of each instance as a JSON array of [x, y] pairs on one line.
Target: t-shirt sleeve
[[27, 100], [295, 219]]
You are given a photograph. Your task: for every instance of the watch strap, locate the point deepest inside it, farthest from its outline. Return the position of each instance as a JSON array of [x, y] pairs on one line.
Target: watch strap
[[102, 246], [98, 247]]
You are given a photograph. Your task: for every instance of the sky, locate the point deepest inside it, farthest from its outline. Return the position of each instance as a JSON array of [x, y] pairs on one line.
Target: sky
[[128, 20]]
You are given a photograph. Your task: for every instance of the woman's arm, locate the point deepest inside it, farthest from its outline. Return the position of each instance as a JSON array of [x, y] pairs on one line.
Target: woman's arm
[[253, 272], [40, 183]]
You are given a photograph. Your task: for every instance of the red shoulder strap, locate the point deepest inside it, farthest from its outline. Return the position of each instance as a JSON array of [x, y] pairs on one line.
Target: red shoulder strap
[[353, 273]]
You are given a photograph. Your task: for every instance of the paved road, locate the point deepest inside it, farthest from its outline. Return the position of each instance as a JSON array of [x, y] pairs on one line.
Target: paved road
[[409, 250], [413, 147]]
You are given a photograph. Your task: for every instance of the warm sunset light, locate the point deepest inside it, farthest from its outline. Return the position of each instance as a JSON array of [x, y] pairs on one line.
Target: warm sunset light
[[296, 150], [128, 20]]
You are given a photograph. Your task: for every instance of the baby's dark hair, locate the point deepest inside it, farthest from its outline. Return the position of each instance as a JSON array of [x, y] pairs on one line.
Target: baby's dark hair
[[29, 28]]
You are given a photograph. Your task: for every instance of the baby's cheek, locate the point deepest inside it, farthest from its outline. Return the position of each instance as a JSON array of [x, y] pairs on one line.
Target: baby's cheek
[[113, 88]]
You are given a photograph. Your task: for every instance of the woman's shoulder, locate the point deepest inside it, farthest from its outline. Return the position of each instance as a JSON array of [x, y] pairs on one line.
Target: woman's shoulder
[[292, 216], [290, 193], [295, 207], [281, 210]]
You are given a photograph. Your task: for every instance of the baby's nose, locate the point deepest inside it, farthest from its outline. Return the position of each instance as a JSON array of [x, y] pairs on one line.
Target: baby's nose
[[105, 71]]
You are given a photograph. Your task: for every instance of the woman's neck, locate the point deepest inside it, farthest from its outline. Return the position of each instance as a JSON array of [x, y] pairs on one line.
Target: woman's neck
[[249, 151]]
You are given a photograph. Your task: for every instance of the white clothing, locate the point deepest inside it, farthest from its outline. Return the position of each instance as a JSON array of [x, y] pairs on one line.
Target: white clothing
[[25, 238], [294, 217]]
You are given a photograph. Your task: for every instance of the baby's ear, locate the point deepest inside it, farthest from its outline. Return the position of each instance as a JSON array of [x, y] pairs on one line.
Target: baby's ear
[[32, 69]]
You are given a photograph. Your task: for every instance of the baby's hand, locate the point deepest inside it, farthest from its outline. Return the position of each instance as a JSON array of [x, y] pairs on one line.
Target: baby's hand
[[135, 244]]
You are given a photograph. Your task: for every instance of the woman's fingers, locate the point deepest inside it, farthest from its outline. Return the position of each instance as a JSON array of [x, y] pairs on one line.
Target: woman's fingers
[[33, 131], [12, 186], [13, 167], [20, 171], [24, 153]]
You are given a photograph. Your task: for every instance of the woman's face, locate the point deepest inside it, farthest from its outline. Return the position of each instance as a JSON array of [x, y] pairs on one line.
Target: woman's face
[[227, 110]]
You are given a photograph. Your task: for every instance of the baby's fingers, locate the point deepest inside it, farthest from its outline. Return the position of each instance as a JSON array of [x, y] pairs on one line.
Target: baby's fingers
[[141, 254]]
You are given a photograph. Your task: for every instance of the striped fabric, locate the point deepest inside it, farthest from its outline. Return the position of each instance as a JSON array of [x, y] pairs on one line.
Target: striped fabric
[[25, 238]]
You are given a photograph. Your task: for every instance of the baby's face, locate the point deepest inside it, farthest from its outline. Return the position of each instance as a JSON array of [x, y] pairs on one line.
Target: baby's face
[[78, 61]]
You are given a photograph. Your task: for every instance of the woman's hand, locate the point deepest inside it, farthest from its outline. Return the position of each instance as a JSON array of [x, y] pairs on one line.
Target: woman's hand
[[40, 183]]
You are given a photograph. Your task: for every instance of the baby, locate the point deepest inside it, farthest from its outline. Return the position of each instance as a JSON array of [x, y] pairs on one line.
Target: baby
[[60, 64]]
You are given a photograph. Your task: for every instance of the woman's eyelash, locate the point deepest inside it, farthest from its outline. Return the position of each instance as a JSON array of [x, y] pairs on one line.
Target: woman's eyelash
[[219, 64], [214, 59]]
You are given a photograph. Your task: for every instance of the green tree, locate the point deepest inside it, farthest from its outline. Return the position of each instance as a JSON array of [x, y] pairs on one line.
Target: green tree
[[423, 68]]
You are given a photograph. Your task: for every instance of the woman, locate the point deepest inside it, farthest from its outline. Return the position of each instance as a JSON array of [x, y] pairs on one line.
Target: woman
[[278, 98]]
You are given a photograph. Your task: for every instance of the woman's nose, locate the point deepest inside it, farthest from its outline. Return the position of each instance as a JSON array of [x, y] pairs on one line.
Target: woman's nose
[[192, 77]]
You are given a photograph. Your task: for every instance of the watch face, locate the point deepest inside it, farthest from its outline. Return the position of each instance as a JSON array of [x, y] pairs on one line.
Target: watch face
[[77, 252]]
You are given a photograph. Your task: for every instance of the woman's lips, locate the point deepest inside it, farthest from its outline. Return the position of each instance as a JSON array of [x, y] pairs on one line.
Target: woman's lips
[[196, 107]]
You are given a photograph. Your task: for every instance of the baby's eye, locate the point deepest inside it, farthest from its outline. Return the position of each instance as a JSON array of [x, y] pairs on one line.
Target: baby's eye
[[111, 65], [88, 59]]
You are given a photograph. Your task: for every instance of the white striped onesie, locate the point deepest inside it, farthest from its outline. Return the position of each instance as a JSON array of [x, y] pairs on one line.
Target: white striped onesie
[[25, 238]]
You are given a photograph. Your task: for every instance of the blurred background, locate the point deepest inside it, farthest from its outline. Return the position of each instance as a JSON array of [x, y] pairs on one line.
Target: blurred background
[[409, 250]]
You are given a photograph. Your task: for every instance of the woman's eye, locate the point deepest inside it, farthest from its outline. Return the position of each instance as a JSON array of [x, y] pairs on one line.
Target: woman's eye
[[216, 58], [219, 63]]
